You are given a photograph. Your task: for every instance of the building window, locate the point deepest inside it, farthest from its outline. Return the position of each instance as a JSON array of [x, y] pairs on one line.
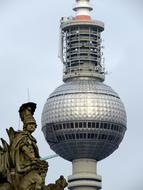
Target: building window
[[88, 135], [84, 124], [105, 125], [76, 125], [95, 136], [72, 125], [70, 136], [97, 125], [93, 125], [77, 136], [104, 136], [84, 135], [54, 127], [89, 125], [108, 126], [92, 136], [80, 125], [101, 125], [112, 127], [73, 136]]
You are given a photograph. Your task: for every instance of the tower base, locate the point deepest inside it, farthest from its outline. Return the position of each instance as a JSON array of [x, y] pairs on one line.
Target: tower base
[[84, 175]]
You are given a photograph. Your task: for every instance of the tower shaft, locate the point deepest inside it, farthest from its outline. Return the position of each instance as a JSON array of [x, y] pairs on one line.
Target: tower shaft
[[84, 175]]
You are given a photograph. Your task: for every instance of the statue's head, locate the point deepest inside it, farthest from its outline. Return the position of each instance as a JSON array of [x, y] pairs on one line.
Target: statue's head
[[26, 112], [30, 127]]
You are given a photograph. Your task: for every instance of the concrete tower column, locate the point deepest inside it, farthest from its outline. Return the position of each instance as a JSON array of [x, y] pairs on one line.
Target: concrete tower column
[[84, 175]]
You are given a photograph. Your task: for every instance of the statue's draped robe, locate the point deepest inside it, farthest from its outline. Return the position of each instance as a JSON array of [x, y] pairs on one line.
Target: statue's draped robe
[[22, 173]]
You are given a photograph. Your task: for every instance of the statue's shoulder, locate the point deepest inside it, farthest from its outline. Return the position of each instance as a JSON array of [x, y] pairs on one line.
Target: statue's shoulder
[[17, 138]]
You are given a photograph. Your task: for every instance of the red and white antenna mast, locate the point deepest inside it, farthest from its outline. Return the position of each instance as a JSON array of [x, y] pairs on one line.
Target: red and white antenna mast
[[82, 9]]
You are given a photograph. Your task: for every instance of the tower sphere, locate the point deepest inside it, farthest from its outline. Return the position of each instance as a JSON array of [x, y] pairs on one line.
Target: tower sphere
[[84, 118]]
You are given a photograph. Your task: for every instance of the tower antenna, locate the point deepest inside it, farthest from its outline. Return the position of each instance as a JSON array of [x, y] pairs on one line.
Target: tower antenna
[[28, 95], [82, 9]]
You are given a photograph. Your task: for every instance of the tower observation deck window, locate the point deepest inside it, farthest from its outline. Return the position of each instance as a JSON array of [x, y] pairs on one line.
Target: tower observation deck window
[[72, 125], [89, 125], [88, 131], [101, 125], [105, 126], [97, 125], [64, 126], [93, 136], [84, 124], [76, 125], [80, 125], [93, 124]]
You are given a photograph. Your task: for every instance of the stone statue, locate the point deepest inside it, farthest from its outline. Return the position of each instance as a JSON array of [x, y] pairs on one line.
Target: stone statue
[[21, 166]]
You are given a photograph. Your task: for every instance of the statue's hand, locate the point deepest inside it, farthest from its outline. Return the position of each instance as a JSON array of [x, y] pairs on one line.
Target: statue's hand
[[43, 165], [40, 165]]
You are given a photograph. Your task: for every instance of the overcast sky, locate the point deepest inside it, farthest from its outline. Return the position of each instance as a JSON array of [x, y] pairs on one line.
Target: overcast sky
[[29, 36]]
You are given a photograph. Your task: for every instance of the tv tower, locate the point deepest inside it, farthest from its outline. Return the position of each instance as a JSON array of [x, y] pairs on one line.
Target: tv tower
[[83, 120]]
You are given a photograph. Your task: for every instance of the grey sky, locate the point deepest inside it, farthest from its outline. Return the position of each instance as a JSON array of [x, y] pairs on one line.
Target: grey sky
[[29, 36]]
